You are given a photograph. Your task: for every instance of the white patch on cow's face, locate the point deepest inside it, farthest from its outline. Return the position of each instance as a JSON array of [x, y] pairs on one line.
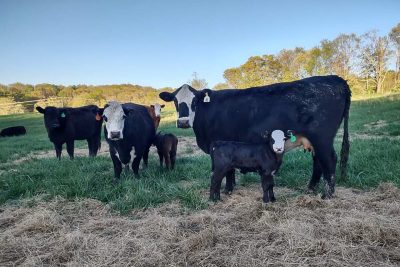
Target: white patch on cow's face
[[186, 96], [157, 109], [114, 118], [278, 138]]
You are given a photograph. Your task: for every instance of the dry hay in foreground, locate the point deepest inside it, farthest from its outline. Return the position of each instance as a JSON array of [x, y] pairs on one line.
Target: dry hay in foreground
[[354, 229]]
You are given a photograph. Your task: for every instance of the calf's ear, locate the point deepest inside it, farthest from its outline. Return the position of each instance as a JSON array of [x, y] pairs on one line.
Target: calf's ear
[[40, 109], [166, 96]]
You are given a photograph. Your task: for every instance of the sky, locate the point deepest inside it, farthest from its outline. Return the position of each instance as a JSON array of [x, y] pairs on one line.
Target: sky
[[161, 43]]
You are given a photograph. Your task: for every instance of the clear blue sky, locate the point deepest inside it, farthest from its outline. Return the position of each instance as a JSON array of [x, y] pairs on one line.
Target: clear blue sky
[[161, 43]]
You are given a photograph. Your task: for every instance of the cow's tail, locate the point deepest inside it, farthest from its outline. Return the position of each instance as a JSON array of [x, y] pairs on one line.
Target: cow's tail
[[344, 154]]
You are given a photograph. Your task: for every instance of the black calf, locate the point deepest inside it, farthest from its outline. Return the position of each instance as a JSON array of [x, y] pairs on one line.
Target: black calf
[[166, 148], [226, 156], [13, 131]]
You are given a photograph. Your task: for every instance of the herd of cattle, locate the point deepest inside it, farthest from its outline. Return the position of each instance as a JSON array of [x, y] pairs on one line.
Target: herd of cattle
[[247, 129]]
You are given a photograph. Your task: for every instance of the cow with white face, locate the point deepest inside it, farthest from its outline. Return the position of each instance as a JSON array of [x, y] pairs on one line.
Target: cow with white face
[[183, 99], [129, 132], [157, 109]]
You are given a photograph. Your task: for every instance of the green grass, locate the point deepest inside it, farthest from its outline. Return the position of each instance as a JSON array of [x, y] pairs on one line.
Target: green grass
[[373, 159]]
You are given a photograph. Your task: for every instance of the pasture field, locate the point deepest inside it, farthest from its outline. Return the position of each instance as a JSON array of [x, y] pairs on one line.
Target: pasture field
[[69, 213]]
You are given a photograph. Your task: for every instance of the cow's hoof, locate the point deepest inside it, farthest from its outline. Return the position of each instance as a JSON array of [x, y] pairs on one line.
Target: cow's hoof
[[215, 197], [228, 192]]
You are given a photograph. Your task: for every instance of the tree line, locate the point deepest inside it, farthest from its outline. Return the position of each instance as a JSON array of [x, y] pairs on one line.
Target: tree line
[[363, 60]]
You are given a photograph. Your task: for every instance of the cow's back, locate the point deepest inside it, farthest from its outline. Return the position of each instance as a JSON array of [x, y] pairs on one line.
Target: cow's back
[[313, 106]]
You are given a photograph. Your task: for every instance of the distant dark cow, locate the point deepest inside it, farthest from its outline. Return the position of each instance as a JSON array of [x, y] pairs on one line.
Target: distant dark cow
[[166, 148], [155, 113], [313, 106], [13, 131], [65, 125], [226, 156], [129, 131]]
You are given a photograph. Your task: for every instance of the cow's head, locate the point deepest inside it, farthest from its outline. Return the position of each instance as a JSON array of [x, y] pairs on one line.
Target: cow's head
[[157, 109], [184, 99], [278, 139], [53, 117], [114, 116]]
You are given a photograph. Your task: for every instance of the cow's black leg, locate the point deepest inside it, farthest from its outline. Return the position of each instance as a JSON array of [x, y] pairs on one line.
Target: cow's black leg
[[70, 148], [327, 160], [215, 188], [267, 182], [146, 158], [167, 160], [117, 166], [58, 148], [136, 162], [230, 182], [172, 155], [91, 146], [316, 175], [160, 156]]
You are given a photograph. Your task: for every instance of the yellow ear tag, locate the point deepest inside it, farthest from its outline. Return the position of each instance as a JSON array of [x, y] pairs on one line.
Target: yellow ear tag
[[206, 98]]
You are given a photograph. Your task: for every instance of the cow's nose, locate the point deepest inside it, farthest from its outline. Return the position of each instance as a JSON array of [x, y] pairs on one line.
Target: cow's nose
[[183, 123], [115, 135]]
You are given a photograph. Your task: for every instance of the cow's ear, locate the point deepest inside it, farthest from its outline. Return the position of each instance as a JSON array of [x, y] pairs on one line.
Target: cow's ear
[[127, 112], [204, 95], [152, 106], [166, 96], [100, 111], [63, 113], [40, 109]]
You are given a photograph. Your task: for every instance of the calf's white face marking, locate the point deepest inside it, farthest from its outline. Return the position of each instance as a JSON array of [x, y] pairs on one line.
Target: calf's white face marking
[[114, 118], [157, 109], [278, 138], [186, 96]]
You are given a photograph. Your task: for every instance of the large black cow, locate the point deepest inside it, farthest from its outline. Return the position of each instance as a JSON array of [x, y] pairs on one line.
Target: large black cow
[[13, 131], [128, 126], [313, 106], [65, 125]]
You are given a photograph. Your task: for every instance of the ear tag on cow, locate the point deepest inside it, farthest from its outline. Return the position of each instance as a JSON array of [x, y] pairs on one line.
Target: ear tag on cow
[[63, 115], [98, 117], [206, 98], [292, 138]]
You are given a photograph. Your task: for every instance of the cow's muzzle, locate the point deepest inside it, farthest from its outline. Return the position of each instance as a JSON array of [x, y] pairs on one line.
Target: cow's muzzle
[[183, 123], [115, 135]]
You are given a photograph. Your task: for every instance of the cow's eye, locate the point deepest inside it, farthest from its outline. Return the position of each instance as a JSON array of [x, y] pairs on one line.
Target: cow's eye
[[105, 118]]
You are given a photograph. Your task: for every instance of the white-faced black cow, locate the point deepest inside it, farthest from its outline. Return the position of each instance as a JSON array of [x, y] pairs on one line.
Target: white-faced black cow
[[313, 106], [13, 131], [128, 126], [65, 125]]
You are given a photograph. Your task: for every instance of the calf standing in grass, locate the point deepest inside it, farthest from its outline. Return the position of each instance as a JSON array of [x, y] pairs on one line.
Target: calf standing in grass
[[65, 125], [228, 155], [166, 147]]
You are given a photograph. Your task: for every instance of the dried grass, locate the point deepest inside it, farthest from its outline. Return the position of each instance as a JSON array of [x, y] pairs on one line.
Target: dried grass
[[354, 229]]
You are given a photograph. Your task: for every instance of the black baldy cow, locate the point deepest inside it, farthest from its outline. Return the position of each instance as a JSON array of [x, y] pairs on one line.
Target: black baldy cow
[[166, 148], [65, 125], [129, 131], [314, 107]]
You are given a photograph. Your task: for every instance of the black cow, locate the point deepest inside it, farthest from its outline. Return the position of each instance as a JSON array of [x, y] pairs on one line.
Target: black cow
[[128, 126], [226, 156], [13, 131], [313, 106], [65, 125]]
